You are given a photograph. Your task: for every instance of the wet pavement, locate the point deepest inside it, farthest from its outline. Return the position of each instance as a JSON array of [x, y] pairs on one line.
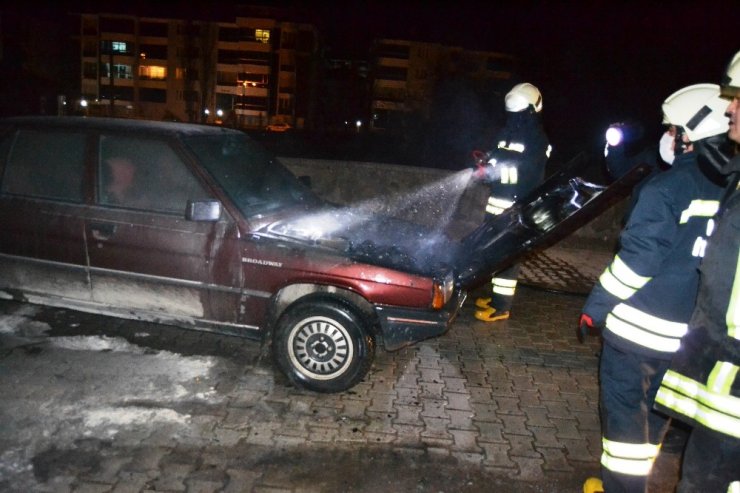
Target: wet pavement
[[95, 404]]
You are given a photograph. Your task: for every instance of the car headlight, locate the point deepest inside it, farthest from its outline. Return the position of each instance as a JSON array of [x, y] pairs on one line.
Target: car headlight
[[442, 291]]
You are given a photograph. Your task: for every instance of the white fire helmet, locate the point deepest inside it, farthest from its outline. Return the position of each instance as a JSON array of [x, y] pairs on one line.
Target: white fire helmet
[[522, 96], [698, 109], [731, 80]]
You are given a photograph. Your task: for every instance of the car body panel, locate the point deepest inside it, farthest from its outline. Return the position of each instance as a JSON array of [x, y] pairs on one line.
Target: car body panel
[[143, 261], [275, 245]]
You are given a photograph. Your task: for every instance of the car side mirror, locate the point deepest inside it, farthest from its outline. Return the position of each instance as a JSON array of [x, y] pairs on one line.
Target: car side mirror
[[203, 210]]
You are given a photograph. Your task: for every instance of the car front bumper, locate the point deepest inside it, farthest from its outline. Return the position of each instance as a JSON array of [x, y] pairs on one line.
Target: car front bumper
[[403, 326]]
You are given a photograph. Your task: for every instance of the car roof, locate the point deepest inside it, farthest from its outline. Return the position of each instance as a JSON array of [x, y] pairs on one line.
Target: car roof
[[118, 125]]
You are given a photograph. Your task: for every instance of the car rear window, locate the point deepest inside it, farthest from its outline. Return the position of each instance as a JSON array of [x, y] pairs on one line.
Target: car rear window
[[45, 164]]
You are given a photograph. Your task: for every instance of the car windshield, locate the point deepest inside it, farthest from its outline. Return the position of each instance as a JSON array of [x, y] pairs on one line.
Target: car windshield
[[251, 177]]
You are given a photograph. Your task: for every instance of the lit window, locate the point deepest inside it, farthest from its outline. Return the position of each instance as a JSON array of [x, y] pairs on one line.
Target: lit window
[[119, 71], [119, 47], [262, 35], [152, 72]]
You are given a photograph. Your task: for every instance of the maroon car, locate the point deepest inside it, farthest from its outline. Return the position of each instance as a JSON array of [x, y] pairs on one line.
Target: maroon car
[[199, 227]]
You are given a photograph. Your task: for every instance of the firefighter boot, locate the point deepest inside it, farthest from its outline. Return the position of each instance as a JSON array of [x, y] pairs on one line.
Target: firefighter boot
[[491, 315], [483, 303], [593, 485]]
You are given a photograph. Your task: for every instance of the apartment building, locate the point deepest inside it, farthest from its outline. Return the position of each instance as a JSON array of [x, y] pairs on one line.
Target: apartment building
[[245, 71], [344, 95], [259, 66], [405, 75]]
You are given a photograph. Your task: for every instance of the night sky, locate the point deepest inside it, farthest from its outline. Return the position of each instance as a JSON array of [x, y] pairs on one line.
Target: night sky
[[595, 62]]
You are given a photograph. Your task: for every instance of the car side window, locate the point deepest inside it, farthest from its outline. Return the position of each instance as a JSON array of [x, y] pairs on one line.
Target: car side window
[[145, 174], [46, 164]]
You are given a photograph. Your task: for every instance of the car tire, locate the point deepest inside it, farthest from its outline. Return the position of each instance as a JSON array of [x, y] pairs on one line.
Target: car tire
[[323, 346]]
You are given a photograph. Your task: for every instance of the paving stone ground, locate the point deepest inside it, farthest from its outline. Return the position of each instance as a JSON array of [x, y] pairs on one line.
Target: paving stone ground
[[505, 407]]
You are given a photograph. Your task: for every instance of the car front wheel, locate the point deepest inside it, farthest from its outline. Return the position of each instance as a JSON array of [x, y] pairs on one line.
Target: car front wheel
[[323, 346]]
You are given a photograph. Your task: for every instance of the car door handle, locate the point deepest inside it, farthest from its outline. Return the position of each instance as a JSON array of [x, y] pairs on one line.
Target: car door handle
[[102, 231]]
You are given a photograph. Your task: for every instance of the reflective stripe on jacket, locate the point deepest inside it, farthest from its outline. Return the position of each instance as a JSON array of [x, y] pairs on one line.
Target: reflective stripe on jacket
[[703, 402], [701, 386], [517, 164], [645, 297], [634, 459], [497, 205]]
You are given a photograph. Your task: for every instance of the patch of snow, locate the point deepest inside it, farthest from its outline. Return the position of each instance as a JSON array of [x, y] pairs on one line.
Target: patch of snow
[[186, 367], [13, 461], [206, 396], [10, 323], [96, 343], [18, 321], [131, 416]]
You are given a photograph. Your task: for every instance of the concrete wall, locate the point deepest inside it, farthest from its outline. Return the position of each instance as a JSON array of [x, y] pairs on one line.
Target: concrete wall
[[436, 198]]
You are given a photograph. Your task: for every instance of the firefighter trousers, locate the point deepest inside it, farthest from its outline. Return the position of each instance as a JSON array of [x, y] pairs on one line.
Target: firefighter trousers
[[711, 462], [631, 430], [503, 285]]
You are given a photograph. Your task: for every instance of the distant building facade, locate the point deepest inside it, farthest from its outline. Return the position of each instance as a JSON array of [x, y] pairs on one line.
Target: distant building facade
[[405, 75], [261, 66], [247, 71], [344, 96]]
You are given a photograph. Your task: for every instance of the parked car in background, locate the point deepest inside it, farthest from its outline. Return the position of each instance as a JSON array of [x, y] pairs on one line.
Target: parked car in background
[[279, 127], [198, 226]]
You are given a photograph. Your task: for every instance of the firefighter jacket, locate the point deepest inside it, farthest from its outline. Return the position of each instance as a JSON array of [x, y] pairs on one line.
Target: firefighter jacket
[[516, 165], [702, 386], [645, 297]]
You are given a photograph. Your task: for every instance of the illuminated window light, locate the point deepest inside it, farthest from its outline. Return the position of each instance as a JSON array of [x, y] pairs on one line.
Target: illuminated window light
[[153, 72], [262, 35]]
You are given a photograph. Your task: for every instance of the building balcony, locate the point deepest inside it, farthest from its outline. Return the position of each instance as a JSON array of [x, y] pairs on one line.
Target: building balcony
[[105, 81], [380, 84], [382, 104], [243, 67], [392, 62], [240, 90]]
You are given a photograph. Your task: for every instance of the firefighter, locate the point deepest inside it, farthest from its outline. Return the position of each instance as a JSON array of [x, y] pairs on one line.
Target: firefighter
[[644, 298], [515, 167], [702, 387]]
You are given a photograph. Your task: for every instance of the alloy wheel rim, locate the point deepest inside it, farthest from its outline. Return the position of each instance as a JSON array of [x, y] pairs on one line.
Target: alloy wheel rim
[[320, 347]]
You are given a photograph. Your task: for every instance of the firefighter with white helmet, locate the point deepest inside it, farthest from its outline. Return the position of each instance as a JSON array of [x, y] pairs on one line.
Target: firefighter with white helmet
[[731, 91], [702, 385], [521, 97], [515, 167], [644, 298]]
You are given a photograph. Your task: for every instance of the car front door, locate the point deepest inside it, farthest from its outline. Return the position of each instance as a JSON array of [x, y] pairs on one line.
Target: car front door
[[145, 256]]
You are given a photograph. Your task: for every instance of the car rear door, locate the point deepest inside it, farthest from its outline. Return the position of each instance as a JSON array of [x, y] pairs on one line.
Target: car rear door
[[42, 202], [144, 255]]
